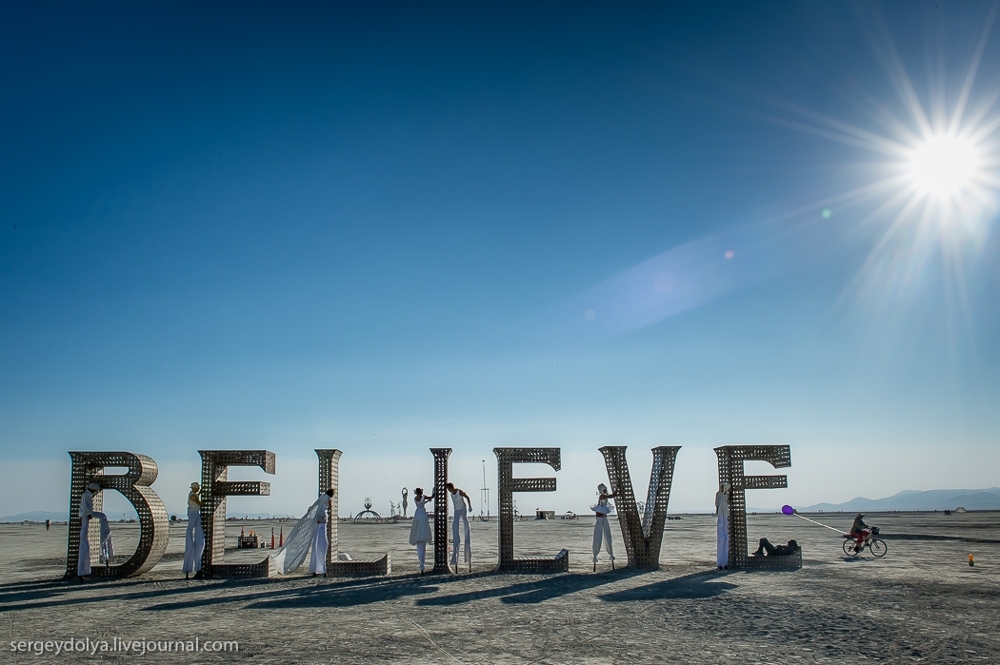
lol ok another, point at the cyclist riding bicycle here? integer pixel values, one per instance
(859, 531)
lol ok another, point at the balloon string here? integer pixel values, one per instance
(819, 523)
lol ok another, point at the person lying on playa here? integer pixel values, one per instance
(775, 550)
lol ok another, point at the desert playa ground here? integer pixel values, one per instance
(921, 603)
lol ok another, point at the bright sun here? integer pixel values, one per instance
(944, 166)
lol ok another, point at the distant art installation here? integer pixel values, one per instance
(134, 485)
(215, 487)
(644, 536)
(731, 460)
(506, 486)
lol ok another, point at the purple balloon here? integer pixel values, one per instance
(788, 510)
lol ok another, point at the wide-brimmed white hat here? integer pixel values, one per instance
(193, 485)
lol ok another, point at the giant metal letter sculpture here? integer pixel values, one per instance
(441, 499)
(731, 459)
(134, 485)
(642, 538)
(215, 487)
(329, 478)
(506, 486)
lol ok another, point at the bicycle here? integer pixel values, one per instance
(876, 546)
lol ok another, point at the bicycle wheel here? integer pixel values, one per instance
(849, 547)
(878, 547)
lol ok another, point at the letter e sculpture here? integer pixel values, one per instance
(506, 486)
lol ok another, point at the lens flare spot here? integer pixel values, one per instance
(826, 214)
(589, 314)
(730, 254)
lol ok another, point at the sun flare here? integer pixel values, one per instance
(944, 166)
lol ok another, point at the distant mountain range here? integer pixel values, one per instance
(36, 516)
(985, 499)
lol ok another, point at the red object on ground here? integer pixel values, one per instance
(272, 537)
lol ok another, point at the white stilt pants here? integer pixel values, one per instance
(83, 560)
(602, 532)
(320, 546)
(463, 516)
(722, 539)
(194, 542)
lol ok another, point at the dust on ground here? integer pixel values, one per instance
(921, 603)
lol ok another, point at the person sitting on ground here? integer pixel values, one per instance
(775, 550)
(859, 532)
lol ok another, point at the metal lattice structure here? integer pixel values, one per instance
(329, 478)
(731, 470)
(134, 485)
(507, 484)
(215, 487)
(441, 506)
(644, 537)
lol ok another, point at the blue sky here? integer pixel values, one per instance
(391, 227)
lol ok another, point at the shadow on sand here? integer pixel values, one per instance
(535, 591)
(59, 593)
(695, 585)
(305, 593)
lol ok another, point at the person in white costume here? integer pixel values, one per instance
(602, 529)
(86, 514)
(321, 542)
(722, 526)
(194, 536)
(420, 528)
(107, 547)
(460, 500)
(304, 536)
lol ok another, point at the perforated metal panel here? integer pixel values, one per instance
(643, 538)
(215, 487)
(441, 508)
(329, 478)
(507, 484)
(134, 485)
(731, 470)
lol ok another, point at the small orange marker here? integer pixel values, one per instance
(971, 561)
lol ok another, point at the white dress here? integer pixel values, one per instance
(420, 529)
(722, 529)
(86, 511)
(299, 541)
(320, 543)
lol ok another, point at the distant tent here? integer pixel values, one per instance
(960, 509)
